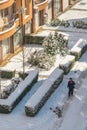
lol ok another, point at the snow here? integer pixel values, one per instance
(82, 5)
(44, 88)
(74, 109)
(67, 60)
(18, 120)
(77, 112)
(9, 103)
(81, 43)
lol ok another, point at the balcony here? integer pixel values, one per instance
(7, 28)
(8, 25)
(41, 4)
(5, 3)
(8, 32)
(5, 23)
(39, 1)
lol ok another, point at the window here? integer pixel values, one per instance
(6, 46)
(17, 38)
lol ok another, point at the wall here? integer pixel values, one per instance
(65, 4)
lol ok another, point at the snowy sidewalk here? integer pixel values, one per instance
(76, 115)
(17, 120)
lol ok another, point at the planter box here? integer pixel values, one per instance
(79, 48)
(6, 105)
(43, 93)
(67, 63)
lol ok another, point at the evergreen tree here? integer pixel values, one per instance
(55, 44)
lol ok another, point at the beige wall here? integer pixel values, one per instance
(65, 4)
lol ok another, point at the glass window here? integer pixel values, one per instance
(17, 38)
(6, 46)
(27, 28)
(57, 6)
(4, 12)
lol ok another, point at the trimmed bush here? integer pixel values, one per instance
(34, 39)
(7, 105)
(42, 60)
(7, 90)
(23, 76)
(43, 93)
(79, 48)
(7, 74)
(67, 63)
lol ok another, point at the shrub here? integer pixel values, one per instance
(7, 74)
(34, 39)
(58, 22)
(55, 44)
(10, 88)
(23, 76)
(55, 22)
(50, 47)
(78, 24)
(42, 60)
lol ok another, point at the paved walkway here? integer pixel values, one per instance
(76, 115)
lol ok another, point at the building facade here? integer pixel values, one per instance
(20, 17)
(14, 14)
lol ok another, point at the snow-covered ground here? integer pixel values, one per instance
(73, 109)
(46, 119)
(76, 115)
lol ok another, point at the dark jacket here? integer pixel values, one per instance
(71, 84)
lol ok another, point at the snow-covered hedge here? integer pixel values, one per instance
(43, 93)
(7, 73)
(67, 63)
(34, 39)
(79, 48)
(6, 105)
(8, 89)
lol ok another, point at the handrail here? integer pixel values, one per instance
(7, 25)
(39, 1)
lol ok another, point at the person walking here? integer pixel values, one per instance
(71, 86)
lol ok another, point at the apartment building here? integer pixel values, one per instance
(39, 10)
(14, 14)
(46, 10)
(20, 17)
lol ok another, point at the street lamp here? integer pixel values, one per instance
(23, 60)
(21, 11)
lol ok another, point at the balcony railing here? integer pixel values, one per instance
(38, 1)
(7, 25)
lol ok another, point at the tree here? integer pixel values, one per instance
(49, 45)
(55, 44)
